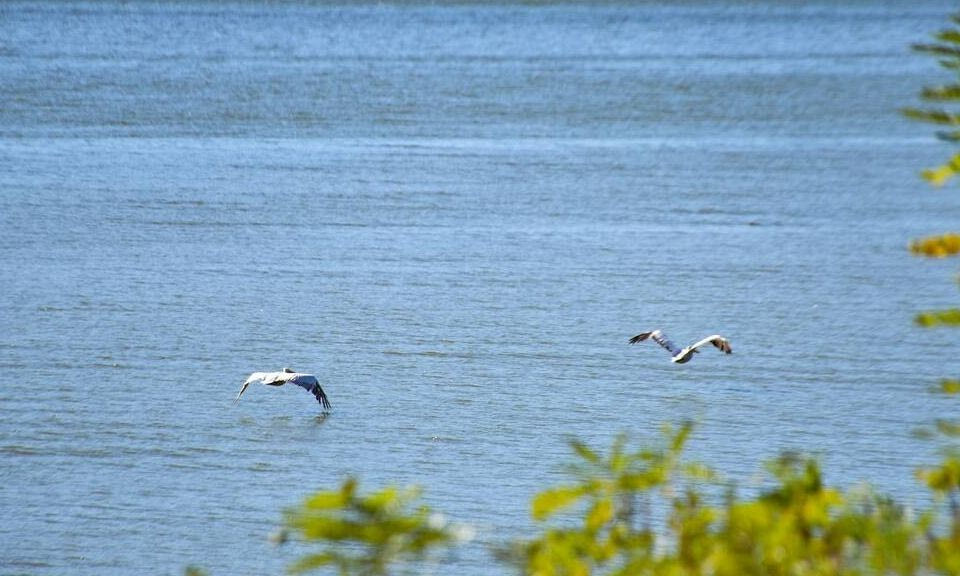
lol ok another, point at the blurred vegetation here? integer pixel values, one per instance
(798, 526)
(943, 99)
(371, 535)
(950, 317)
(943, 479)
(944, 111)
(937, 246)
(649, 512)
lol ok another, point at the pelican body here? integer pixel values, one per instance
(308, 382)
(683, 355)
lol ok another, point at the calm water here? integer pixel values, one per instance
(455, 215)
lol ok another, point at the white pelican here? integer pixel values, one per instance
(308, 382)
(683, 355)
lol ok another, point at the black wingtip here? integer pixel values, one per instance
(640, 337)
(723, 345)
(322, 398)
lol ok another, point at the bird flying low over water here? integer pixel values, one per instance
(679, 355)
(308, 382)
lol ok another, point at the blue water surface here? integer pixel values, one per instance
(455, 215)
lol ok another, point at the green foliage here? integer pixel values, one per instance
(937, 246)
(929, 319)
(366, 534)
(594, 524)
(797, 527)
(607, 489)
(944, 478)
(948, 386)
(946, 49)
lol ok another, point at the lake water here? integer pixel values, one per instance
(455, 215)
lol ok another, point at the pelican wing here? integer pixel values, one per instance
(640, 337)
(717, 340)
(251, 378)
(264, 378)
(658, 337)
(274, 377)
(310, 383)
(256, 376)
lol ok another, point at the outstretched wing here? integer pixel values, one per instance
(717, 340)
(640, 337)
(309, 383)
(269, 378)
(658, 337)
(251, 378)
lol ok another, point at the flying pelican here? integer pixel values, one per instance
(306, 381)
(680, 356)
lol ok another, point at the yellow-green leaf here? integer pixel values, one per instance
(933, 116)
(311, 562)
(940, 93)
(949, 386)
(943, 478)
(549, 501)
(948, 427)
(599, 514)
(584, 451)
(933, 318)
(937, 246)
(938, 176)
(952, 36)
(326, 500)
